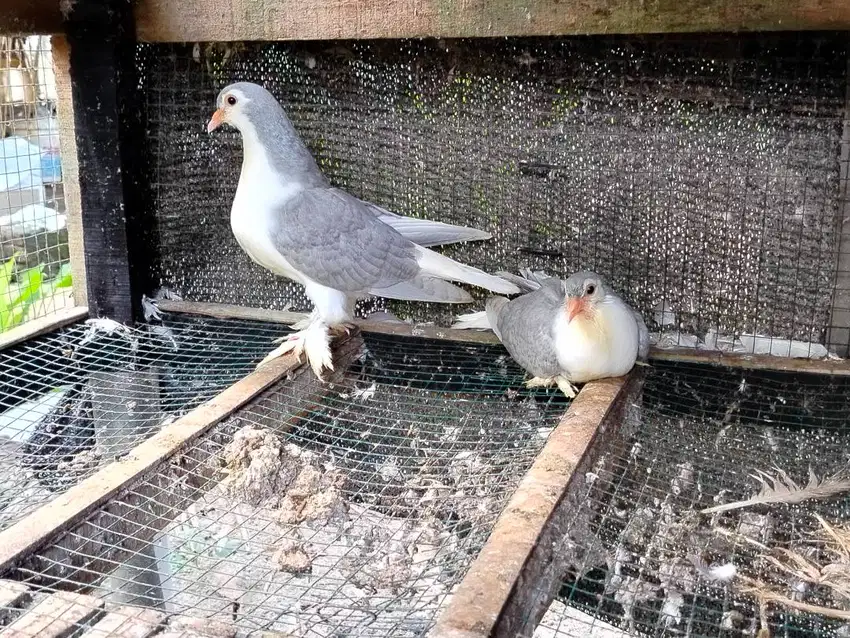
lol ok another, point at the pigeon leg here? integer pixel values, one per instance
(313, 341)
(540, 382)
(566, 387)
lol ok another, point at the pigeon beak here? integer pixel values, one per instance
(215, 121)
(575, 307)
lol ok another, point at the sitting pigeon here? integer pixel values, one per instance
(289, 220)
(565, 332)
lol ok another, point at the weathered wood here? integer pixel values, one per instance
(41, 526)
(715, 357)
(504, 590)
(183, 20)
(838, 337)
(57, 616)
(229, 20)
(102, 69)
(12, 596)
(127, 622)
(42, 325)
(134, 486)
(70, 166)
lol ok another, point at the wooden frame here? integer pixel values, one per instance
(187, 21)
(689, 355)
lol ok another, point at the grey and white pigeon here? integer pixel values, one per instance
(565, 332)
(289, 220)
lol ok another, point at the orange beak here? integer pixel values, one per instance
(215, 121)
(575, 307)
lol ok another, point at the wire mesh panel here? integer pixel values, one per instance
(35, 275)
(79, 398)
(643, 558)
(700, 175)
(352, 510)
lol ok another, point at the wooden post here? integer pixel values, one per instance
(838, 338)
(100, 37)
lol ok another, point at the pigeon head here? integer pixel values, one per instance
(584, 291)
(242, 105)
(266, 131)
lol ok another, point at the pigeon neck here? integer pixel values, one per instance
(277, 143)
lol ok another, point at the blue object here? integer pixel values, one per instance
(51, 167)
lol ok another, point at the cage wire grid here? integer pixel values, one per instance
(699, 175)
(348, 512)
(34, 269)
(642, 559)
(78, 398)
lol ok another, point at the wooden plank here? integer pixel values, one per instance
(838, 337)
(102, 67)
(127, 622)
(13, 595)
(42, 325)
(41, 526)
(70, 166)
(495, 597)
(232, 20)
(134, 486)
(57, 616)
(691, 355)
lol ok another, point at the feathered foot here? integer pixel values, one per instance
(547, 382)
(313, 341)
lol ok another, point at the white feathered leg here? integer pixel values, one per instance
(567, 387)
(313, 341)
(562, 382)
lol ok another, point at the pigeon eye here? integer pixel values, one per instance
(590, 289)
(231, 100)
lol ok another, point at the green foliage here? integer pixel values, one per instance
(16, 299)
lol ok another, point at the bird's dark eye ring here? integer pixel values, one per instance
(231, 100)
(590, 289)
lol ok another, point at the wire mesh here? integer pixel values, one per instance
(699, 175)
(34, 270)
(642, 559)
(76, 399)
(347, 510)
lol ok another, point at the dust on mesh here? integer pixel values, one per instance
(641, 558)
(351, 510)
(34, 254)
(700, 172)
(77, 399)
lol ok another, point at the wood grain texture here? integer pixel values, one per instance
(42, 325)
(228, 20)
(495, 597)
(70, 166)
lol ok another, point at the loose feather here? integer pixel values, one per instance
(781, 488)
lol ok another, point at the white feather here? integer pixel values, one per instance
(430, 233)
(472, 321)
(438, 265)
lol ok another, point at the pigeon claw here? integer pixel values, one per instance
(290, 343)
(569, 390)
(547, 382)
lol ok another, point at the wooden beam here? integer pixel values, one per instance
(42, 325)
(37, 546)
(70, 166)
(496, 598)
(232, 20)
(689, 355)
(41, 526)
(838, 337)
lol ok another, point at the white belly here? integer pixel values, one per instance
(255, 204)
(588, 351)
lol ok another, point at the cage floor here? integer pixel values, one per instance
(349, 510)
(75, 399)
(644, 560)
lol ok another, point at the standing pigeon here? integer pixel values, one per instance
(289, 220)
(565, 332)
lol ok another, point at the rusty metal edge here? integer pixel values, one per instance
(495, 596)
(685, 355)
